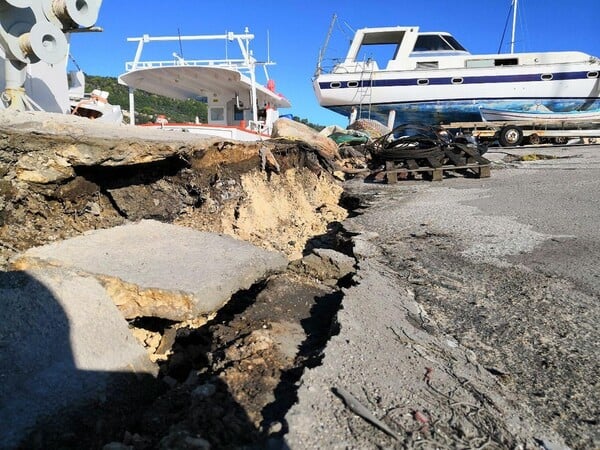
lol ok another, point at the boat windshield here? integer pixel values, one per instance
(437, 42)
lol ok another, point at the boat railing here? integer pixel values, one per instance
(238, 64)
(339, 65)
(258, 126)
(329, 65)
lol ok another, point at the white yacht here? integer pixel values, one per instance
(401, 75)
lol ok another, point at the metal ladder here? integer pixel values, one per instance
(365, 93)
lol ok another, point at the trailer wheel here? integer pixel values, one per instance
(510, 136)
(534, 139)
(560, 140)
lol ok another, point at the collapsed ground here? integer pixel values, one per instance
(230, 382)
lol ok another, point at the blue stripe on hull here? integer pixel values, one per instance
(440, 81)
(434, 113)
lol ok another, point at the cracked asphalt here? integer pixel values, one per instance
(486, 287)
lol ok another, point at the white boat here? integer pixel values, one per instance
(93, 105)
(401, 75)
(537, 113)
(238, 106)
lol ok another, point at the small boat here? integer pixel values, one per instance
(238, 106)
(537, 113)
(402, 75)
(93, 105)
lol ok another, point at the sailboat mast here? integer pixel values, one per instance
(514, 26)
(324, 48)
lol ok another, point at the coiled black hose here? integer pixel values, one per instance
(424, 142)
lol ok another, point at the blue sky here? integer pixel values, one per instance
(297, 31)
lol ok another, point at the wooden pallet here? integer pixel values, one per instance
(462, 159)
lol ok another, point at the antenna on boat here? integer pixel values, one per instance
(324, 48)
(74, 62)
(180, 45)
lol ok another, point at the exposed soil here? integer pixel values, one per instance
(274, 211)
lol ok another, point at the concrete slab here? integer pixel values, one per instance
(62, 343)
(154, 269)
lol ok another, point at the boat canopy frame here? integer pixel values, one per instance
(245, 65)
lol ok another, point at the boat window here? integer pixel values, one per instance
(506, 62)
(592, 74)
(457, 80)
(453, 42)
(217, 114)
(335, 84)
(479, 63)
(238, 114)
(353, 84)
(423, 82)
(427, 64)
(378, 53)
(431, 42)
(546, 76)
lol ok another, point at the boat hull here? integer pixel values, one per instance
(223, 132)
(490, 115)
(193, 82)
(455, 95)
(444, 112)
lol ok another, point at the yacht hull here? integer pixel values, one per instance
(434, 97)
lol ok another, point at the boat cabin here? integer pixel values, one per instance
(405, 48)
(387, 47)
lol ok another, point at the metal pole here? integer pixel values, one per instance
(514, 26)
(391, 119)
(324, 48)
(251, 64)
(131, 107)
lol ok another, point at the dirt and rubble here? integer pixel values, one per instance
(198, 182)
(61, 178)
(376, 304)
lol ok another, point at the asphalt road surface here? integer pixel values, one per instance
(505, 271)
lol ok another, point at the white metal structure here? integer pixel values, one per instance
(238, 106)
(34, 48)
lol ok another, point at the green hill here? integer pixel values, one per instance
(149, 105)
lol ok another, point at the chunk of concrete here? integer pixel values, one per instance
(290, 129)
(63, 343)
(325, 265)
(153, 269)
